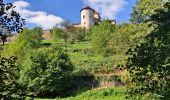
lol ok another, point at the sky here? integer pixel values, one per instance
(48, 13)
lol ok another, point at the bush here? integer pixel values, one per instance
(74, 34)
(25, 41)
(46, 72)
(8, 79)
(100, 37)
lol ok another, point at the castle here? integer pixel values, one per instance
(89, 18)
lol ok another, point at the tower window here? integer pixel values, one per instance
(83, 16)
(84, 23)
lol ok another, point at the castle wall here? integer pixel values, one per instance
(77, 25)
(96, 15)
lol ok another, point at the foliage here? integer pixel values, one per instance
(100, 37)
(148, 63)
(57, 33)
(103, 66)
(125, 77)
(9, 88)
(74, 34)
(126, 36)
(46, 72)
(25, 41)
(98, 94)
(10, 20)
(66, 24)
(144, 9)
(30, 37)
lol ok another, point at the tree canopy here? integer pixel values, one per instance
(100, 37)
(46, 72)
(9, 73)
(10, 20)
(25, 41)
(148, 63)
(144, 9)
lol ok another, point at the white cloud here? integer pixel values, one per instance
(40, 18)
(107, 8)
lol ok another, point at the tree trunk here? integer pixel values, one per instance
(3, 42)
(4, 38)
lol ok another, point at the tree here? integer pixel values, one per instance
(125, 36)
(69, 32)
(30, 37)
(75, 33)
(100, 37)
(46, 72)
(65, 25)
(57, 33)
(144, 9)
(10, 20)
(149, 63)
(25, 41)
(8, 79)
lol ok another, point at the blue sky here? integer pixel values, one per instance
(45, 13)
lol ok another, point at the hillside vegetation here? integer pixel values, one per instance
(98, 94)
(125, 61)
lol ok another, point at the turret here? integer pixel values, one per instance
(87, 17)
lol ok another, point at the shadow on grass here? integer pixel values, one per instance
(81, 82)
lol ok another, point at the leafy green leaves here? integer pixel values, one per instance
(144, 9)
(8, 78)
(100, 37)
(148, 63)
(10, 20)
(46, 70)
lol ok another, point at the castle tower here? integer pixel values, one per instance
(87, 17)
(97, 18)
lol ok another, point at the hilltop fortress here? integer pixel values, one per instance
(89, 18)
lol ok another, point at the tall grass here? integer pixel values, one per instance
(98, 94)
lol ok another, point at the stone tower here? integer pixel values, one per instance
(90, 18)
(87, 17)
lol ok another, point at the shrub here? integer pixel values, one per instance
(100, 37)
(8, 79)
(46, 72)
(25, 41)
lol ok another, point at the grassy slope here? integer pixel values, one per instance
(87, 61)
(98, 94)
(90, 63)
(78, 57)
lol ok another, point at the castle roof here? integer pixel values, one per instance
(87, 7)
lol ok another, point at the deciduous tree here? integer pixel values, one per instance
(9, 73)
(10, 20)
(149, 62)
(46, 72)
(100, 37)
(144, 9)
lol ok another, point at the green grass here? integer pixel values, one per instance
(52, 41)
(80, 45)
(98, 94)
(49, 41)
(118, 93)
(83, 57)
